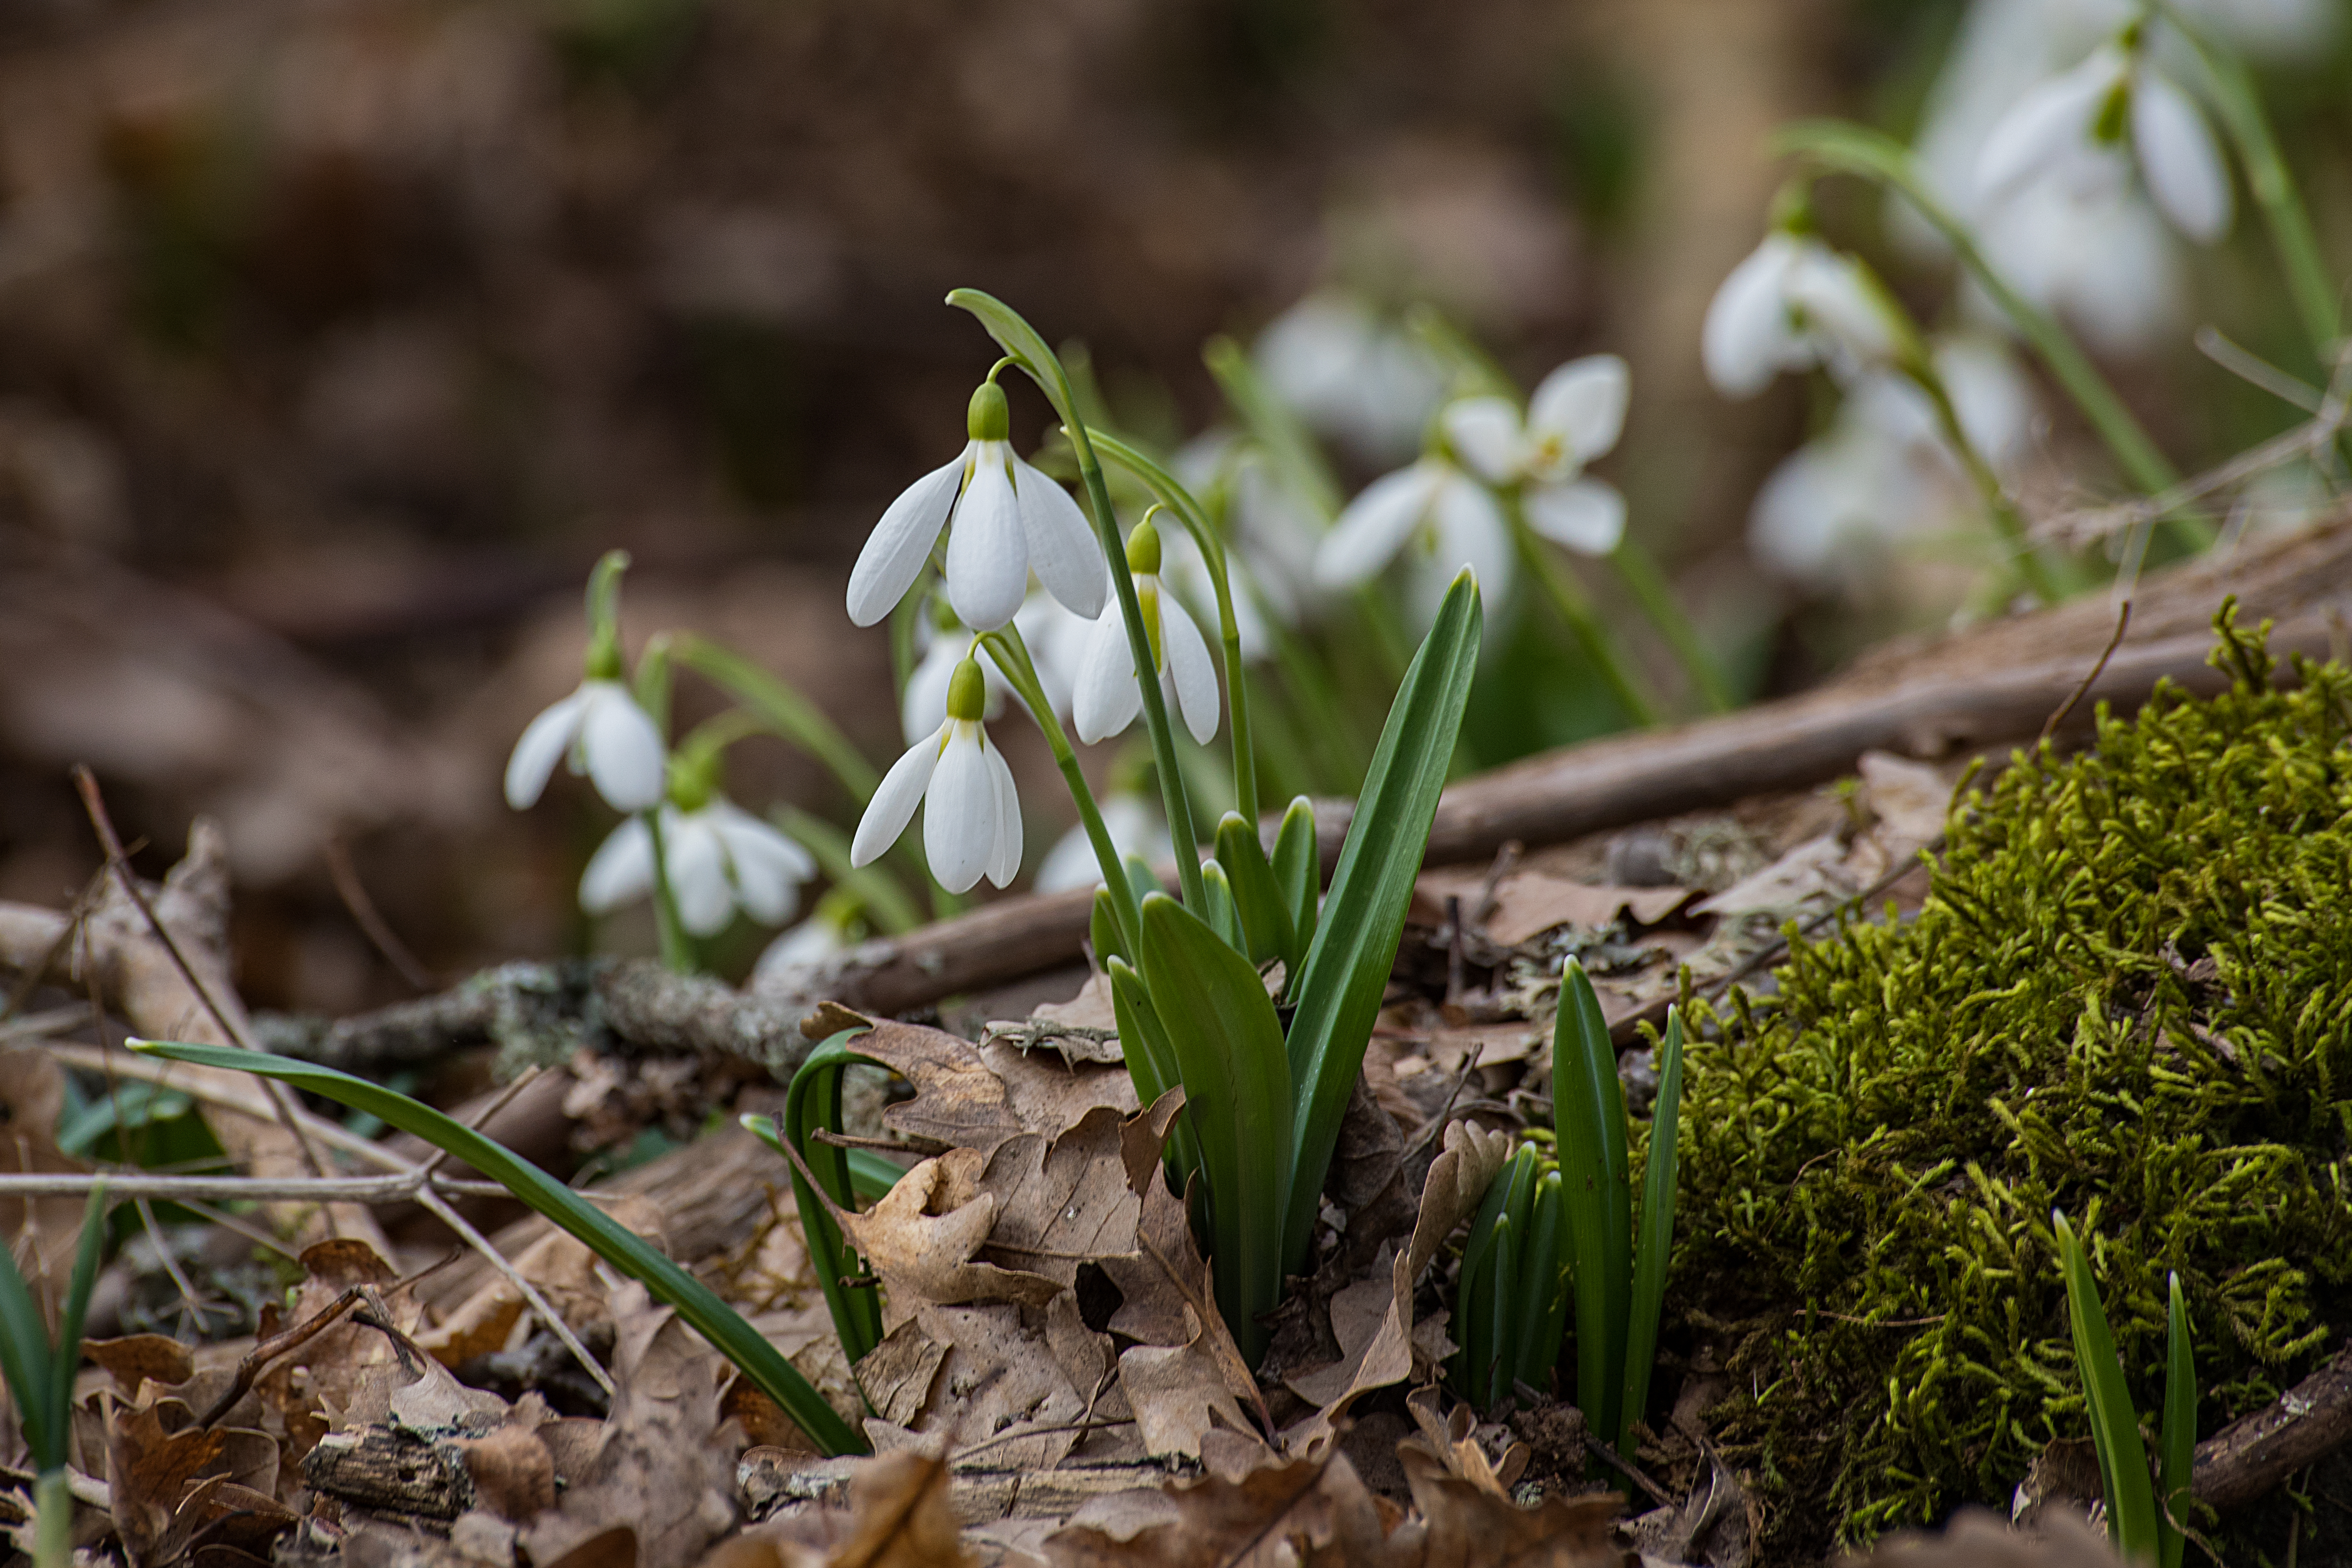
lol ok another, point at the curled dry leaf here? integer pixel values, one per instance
(922, 1236)
(166, 1484)
(1463, 1524)
(899, 1517)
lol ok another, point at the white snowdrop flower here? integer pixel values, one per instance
(602, 732)
(719, 859)
(1271, 538)
(1110, 695)
(1576, 414)
(791, 965)
(972, 815)
(1438, 518)
(2076, 129)
(1004, 519)
(1136, 829)
(1349, 374)
(2104, 261)
(1057, 639)
(1792, 304)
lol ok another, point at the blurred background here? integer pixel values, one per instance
(338, 338)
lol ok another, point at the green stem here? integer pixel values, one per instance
(1649, 585)
(2046, 581)
(2273, 187)
(781, 709)
(1568, 600)
(1012, 655)
(1870, 156)
(52, 1521)
(676, 952)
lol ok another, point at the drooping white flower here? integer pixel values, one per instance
(2086, 127)
(1136, 829)
(971, 814)
(1438, 518)
(602, 732)
(1577, 414)
(1349, 374)
(1004, 519)
(719, 859)
(1109, 695)
(791, 965)
(1792, 304)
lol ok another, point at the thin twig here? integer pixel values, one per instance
(395, 1188)
(430, 1200)
(179, 1276)
(482, 1119)
(355, 894)
(30, 979)
(269, 1349)
(119, 864)
(2123, 619)
(1610, 1456)
(40, 1026)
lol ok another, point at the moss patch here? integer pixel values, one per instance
(2129, 996)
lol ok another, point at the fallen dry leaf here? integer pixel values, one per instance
(1978, 1538)
(168, 1484)
(899, 1517)
(1273, 1516)
(1464, 1524)
(922, 1236)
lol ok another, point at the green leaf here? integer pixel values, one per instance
(1298, 872)
(1102, 929)
(1347, 968)
(2177, 1441)
(1267, 926)
(67, 1358)
(713, 1319)
(1020, 339)
(1492, 1376)
(1648, 1295)
(1541, 1282)
(1150, 1059)
(1218, 910)
(1589, 1119)
(26, 1362)
(2115, 1425)
(1227, 1042)
(872, 1174)
(1478, 1311)
(781, 709)
(812, 1102)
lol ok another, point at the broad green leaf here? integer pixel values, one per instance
(1650, 1258)
(1539, 1281)
(1298, 872)
(1347, 969)
(1143, 878)
(1151, 1060)
(2177, 1441)
(25, 1361)
(1589, 1119)
(713, 1319)
(1267, 926)
(781, 709)
(1227, 1042)
(1219, 911)
(1102, 929)
(2115, 1425)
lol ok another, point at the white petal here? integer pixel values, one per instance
(1470, 532)
(1106, 698)
(803, 948)
(1376, 525)
(1007, 863)
(988, 557)
(961, 812)
(1841, 308)
(923, 706)
(2177, 159)
(2049, 126)
(697, 873)
(1487, 435)
(544, 739)
(621, 871)
(895, 551)
(895, 799)
(1586, 515)
(623, 750)
(769, 868)
(1583, 403)
(1746, 335)
(1189, 669)
(1070, 863)
(1062, 548)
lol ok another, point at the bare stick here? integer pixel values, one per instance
(396, 1188)
(431, 1201)
(482, 1119)
(355, 894)
(100, 1058)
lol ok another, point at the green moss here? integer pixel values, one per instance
(2130, 996)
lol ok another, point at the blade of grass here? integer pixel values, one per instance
(2178, 1442)
(1648, 1293)
(1589, 1119)
(713, 1319)
(2115, 1425)
(66, 1359)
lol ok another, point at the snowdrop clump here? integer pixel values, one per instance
(719, 859)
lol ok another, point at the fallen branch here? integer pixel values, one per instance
(2251, 1455)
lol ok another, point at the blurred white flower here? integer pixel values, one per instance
(601, 731)
(1136, 829)
(790, 964)
(2087, 127)
(1004, 518)
(1576, 414)
(1439, 518)
(1792, 304)
(1271, 536)
(971, 813)
(1350, 375)
(719, 859)
(1109, 695)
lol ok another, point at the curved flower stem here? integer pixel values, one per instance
(2241, 106)
(1012, 655)
(1165, 488)
(1040, 364)
(1657, 600)
(676, 952)
(1870, 156)
(1568, 600)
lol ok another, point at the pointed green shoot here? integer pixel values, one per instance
(1218, 910)
(1298, 872)
(1588, 1119)
(1492, 1376)
(1650, 1257)
(1346, 970)
(709, 1316)
(1541, 1282)
(1227, 1042)
(2115, 1425)
(1266, 925)
(2178, 1442)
